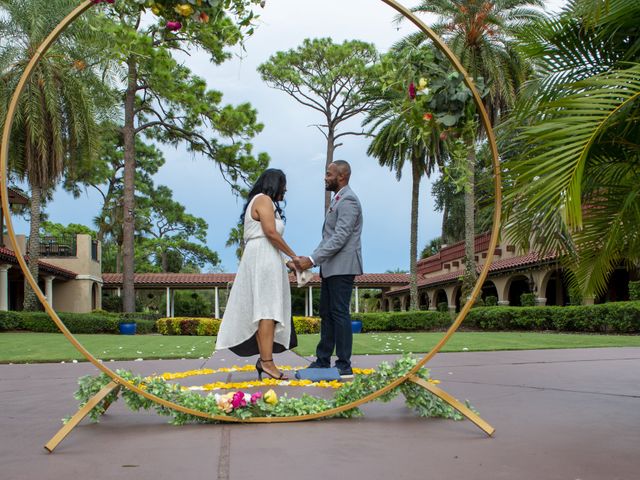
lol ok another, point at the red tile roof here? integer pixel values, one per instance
(203, 280)
(503, 264)
(171, 279)
(7, 255)
(452, 252)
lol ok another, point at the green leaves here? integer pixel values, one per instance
(573, 167)
(322, 75)
(422, 401)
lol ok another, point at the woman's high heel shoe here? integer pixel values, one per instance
(261, 370)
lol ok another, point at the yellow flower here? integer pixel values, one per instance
(185, 10)
(156, 10)
(270, 397)
(422, 84)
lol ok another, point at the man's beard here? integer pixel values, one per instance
(331, 187)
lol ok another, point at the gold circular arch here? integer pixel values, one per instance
(4, 155)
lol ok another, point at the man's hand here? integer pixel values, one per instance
(302, 263)
(291, 266)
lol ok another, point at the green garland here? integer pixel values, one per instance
(417, 398)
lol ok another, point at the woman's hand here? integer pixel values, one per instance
(291, 266)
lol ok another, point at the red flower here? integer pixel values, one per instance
(428, 116)
(443, 136)
(412, 91)
(238, 400)
(173, 26)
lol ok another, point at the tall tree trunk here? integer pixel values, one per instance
(330, 149)
(128, 227)
(444, 229)
(164, 261)
(31, 302)
(118, 258)
(470, 275)
(416, 171)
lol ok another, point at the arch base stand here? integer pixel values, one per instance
(113, 386)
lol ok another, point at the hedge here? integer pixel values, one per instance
(209, 326)
(634, 290)
(614, 317)
(402, 321)
(188, 326)
(95, 322)
(75, 322)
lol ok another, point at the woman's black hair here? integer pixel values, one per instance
(272, 183)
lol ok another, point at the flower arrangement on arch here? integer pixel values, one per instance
(177, 13)
(240, 404)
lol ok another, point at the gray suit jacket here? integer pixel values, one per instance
(339, 252)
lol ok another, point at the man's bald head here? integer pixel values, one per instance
(343, 168)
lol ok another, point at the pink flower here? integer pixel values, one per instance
(173, 26)
(412, 91)
(256, 396)
(443, 136)
(238, 400)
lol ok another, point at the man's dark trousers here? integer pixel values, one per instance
(335, 327)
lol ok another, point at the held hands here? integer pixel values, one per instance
(302, 263)
(291, 266)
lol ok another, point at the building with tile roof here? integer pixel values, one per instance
(512, 273)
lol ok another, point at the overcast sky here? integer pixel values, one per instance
(293, 145)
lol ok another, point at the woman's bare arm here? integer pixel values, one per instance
(262, 211)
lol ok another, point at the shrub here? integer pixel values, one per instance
(442, 307)
(615, 317)
(144, 327)
(528, 300)
(75, 322)
(634, 291)
(306, 324)
(188, 326)
(491, 301)
(9, 321)
(208, 327)
(135, 316)
(402, 321)
(112, 303)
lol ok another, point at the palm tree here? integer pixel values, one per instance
(54, 125)
(481, 33)
(576, 190)
(402, 135)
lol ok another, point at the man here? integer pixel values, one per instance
(340, 259)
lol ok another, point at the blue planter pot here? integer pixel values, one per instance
(356, 326)
(127, 328)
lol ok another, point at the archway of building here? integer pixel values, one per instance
(518, 285)
(441, 297)
(489, 290)
(423, 300)
(556, 290)
(396, 304)
(95, 292)
(457, 295)
(617, 286)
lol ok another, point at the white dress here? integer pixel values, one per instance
(261, 290)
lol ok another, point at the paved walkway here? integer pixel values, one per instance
(558, 414)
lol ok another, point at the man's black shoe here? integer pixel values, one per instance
(346, 373)
(315, 364)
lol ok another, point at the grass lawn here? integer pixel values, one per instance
(19, 347)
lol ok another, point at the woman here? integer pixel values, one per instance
(258, 314)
